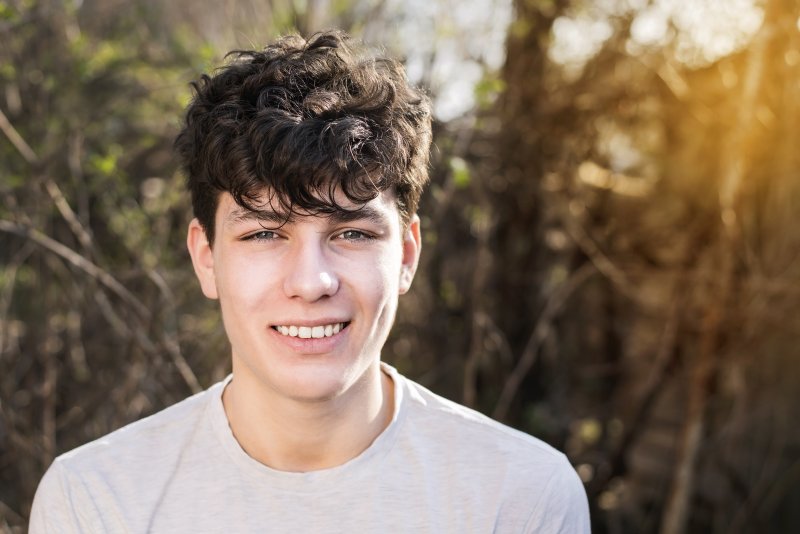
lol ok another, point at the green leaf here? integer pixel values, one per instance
(461, 173)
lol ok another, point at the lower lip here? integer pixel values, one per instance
(313, 345)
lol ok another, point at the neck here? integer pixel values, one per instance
(299, 435)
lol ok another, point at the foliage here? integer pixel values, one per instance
(97, 310)
(627, 288)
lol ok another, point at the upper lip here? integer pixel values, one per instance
(310, 322)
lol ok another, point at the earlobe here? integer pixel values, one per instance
(412, 244)
(202, 258)
(406, 277)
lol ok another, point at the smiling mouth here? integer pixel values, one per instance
(309, 332)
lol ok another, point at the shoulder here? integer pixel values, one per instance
(144, 439)
(432, 413)
(563, 507)
(533, 486)
(61, 505)
(80, 487)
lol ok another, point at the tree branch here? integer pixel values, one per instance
(78, 261)
(16, 139)
(540, 331)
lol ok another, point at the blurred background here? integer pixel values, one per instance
(611, 236)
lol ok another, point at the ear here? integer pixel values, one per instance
(412, 244)
(202, 258)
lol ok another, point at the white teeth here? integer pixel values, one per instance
(308, 332)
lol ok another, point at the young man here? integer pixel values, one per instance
(305, 164)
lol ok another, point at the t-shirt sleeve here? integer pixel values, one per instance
(564, 508)
(61, 505)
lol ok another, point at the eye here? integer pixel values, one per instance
(262, 235)
(355, 235)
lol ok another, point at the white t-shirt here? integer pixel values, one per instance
(438, 467)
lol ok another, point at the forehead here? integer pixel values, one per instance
(266, 207)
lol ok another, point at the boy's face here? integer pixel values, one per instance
(308, 305)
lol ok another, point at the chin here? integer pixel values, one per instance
(315, 385)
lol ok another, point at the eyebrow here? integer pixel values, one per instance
(364, 213)
(241, 215)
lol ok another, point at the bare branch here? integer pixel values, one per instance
(540, 331)
(170, 334)
(52, 188)
(7, 511)
(8, 290)
(602, 262)
(78, 261)
(705, 366)
(68, 213)
(656, 379)
(16, 139)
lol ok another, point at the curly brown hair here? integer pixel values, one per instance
(303, 119)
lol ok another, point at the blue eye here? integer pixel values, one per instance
(263, 235)
(355, 235)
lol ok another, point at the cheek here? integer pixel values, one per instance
(242, 285)
(384, 275)
(384, 285)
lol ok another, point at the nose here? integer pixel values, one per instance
(310, 275)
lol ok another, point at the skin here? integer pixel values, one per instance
(306, 404)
